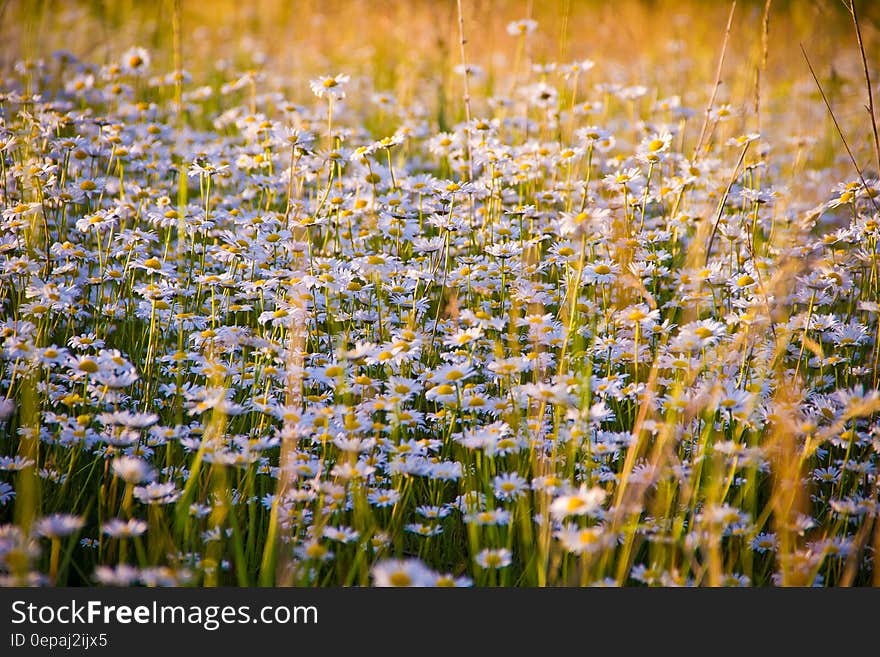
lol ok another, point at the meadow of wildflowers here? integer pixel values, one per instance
(543, 322)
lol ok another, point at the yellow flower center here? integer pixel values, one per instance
(400, 579)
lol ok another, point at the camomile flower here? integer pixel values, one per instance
(451, 374)
(136, 61)
(132, 470)
(428, 245)
(51, 356)
(449, 580)
(586, 223)
(314, 549)
(654, 147)
(601, 272)
(549, 393)
(581, 540)
(383, 497)
(735, 401)
(509, 485)
(698, 335)
(521, 27)
(401, 387)
(129, 419)
(744, 280)
(118, 528)
(590, 135)
(830, 475)
(203, 168)
(155, 493)
(741, 141)
(623, 177)
(332, 87)
(402, 573)
(723, 112)
(461, 338)
(361, 153)
(541, 95)
(498, 517)
(433, 512)
(341, 534)
(495, 559)
(505, 367)
(119, 575)
(423, 529)
(7, 493)
(583, 501)
(58, 525)
(765, 543)
(640, 314)
(445, 471)
(504, 250)
(576, 67)
(15, 463)
(7, 408)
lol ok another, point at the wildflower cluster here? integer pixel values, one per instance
(245, 340)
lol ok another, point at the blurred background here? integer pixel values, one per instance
(410, 49)
(394, 41)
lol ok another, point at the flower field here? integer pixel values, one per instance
(439, 294)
